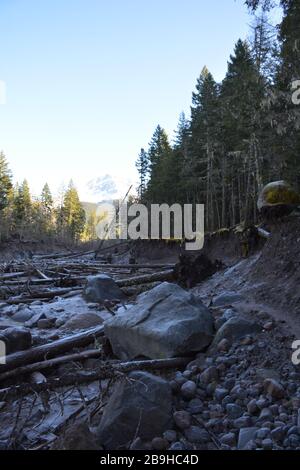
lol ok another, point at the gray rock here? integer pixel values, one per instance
(242, 422)
(32, 323)
(245, 436)
(274, 388)
(226, 299)
(195, 434)
(100, 288)
(267, 444)
(77, 437)
(16, 339)
(229, 313)
(177, 446)
(229, 439)
(45, 323)
(236, 328)
(195, 406)
(182, 419)
(158, 443)
(278, 434)
(210, 374)
(170, 435)
(143, 402)
(188, 390)
(233, 411)
(262, 433)
(23, 315)
(220, 393)
(82, 321)
(166, 321)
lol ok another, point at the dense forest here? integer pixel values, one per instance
(24, 217)
(241, 134)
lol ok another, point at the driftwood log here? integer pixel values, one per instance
(42, 365)
(53, 349)
(107, 370)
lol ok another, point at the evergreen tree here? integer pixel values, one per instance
(22, 203)
(142, 165)
(73, 213)
(158, 153)
(5, 182)
(47, 199)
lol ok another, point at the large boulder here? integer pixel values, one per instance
(140, 405)
(100, 288)
(16, 339)
(165, 322)
(236, 328)
(277, 198)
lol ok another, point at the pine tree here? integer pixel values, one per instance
(142, 165)
(241, 97)
(73, 213)
(204, 144)
(5, 182)
(158, 153)
(22, 203)
(47, 199)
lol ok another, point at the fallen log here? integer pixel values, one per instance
(136, 266)
(43, 296)
(7, 276)
(53, 349)
(107, 370)
(37, 366)
(146, 278)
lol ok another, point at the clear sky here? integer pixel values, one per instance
(87, 81)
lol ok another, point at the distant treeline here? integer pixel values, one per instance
(38, 218)
(242, 133)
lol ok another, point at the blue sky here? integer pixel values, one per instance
(87, 81)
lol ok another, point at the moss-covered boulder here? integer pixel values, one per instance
(278, 198)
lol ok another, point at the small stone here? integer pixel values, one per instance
(2, 405)
(246, 435)
(274, 388)
(267, 444)
(252, 407)
(209, 375)
(242, 422)
(294, 430)
(266, 414)
(188, 389)
(278, 433)
(170, 435)
(45, 324)
(220, 393)
(177, 446)
(262, 433)
(187, 374)
(182, 419)
(196, 434)
(229, 439)
(233, 410)
(223, 345)
(195, 406)
(158, 443)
